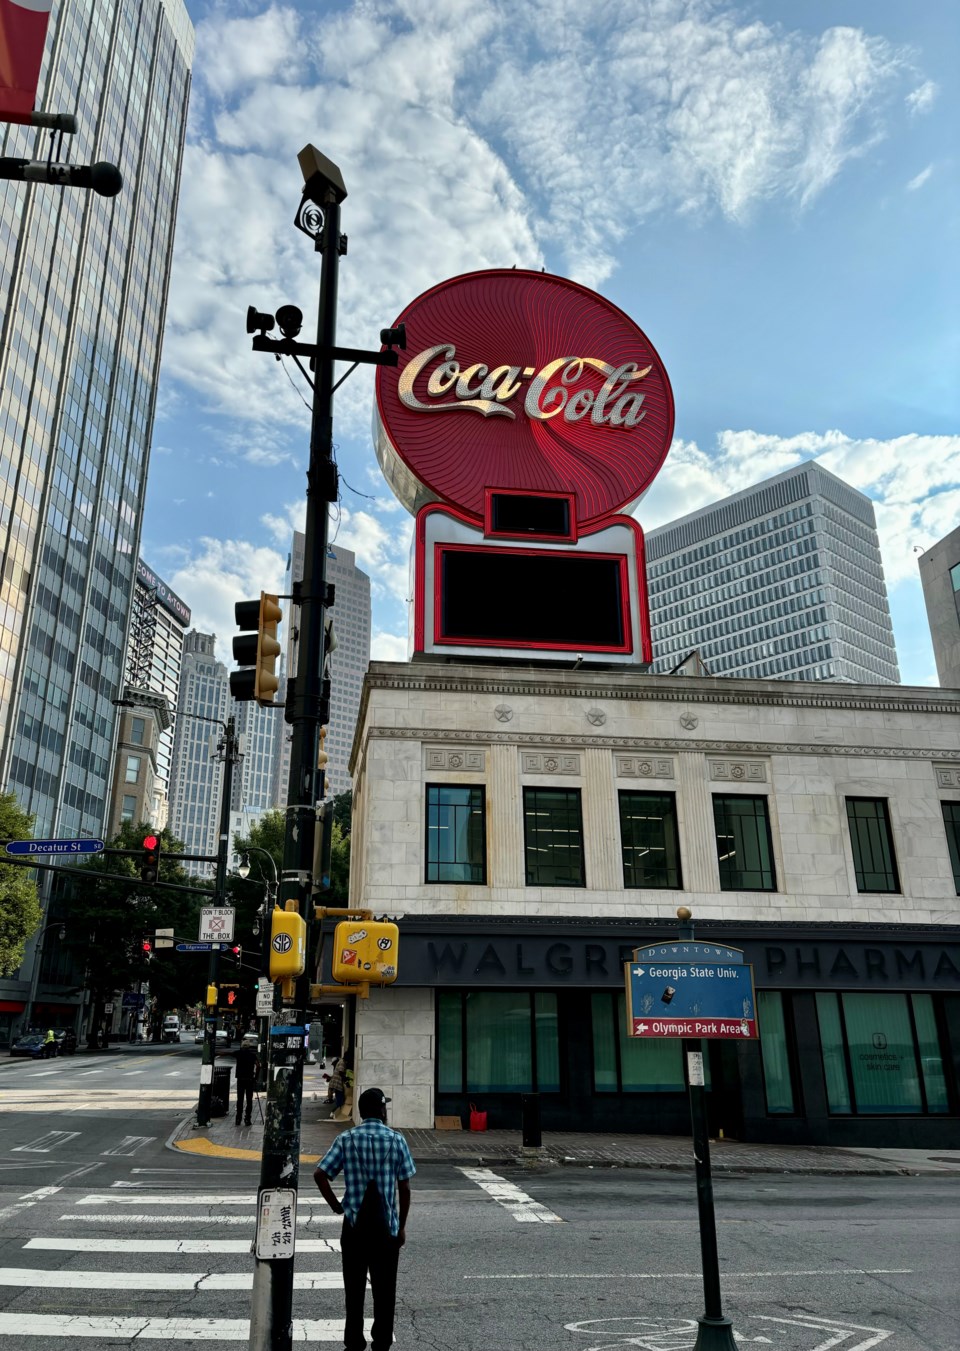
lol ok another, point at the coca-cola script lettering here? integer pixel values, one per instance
(558, 389)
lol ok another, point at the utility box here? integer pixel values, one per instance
(365, 951)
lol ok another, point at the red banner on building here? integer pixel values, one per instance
(23, 32)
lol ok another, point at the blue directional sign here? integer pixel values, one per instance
(54, 846)
(690, 990)
(196, 947)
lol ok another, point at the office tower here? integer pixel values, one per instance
(158, 621)
(288, 666)
(783, 580)
(348, 663)
(196, 780)
(83, 287)
(940, 578)
(254, 778)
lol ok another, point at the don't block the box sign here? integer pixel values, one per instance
(525, 417)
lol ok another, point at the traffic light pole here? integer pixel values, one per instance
(271, 1321)
(229, 747)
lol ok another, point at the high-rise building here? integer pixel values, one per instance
(83, 287)
(196, 781)
(940, 578)
(783, 580)
(254, 777)
(83, 290)
(348, 663)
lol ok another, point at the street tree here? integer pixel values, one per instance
(19, 907)
(343, 810)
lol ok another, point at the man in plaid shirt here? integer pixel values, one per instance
(377, 1168)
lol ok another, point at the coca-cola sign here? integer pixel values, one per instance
(543, 385)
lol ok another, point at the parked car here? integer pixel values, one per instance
(30, 1044)
(171, 1028)
(250, 1039)
(66, 1040)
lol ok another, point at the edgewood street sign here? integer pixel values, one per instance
(705, 992)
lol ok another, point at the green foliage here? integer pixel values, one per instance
(19, 907)
(339, 893)
(343, 810)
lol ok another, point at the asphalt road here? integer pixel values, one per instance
(109, 1238)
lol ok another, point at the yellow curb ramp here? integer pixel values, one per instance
(202, 1145)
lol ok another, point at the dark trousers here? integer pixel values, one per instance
(244, 1093)
(378, 1256)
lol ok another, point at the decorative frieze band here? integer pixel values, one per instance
(738, 771)
(642, 767)
(460, 760)
(532, 762)
(948, 776)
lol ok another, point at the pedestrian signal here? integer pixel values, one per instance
(288, 945)
(228, 996)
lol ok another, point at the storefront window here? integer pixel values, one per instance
(648, 839)
(512, 1042)
(625, 1064)
(831, 1048)
(951, 821)
(881, 1054)
(872, 844)
(456, 846)
(553, 837)
(777, 1079)
(744, 851)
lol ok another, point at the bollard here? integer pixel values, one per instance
(530, 1108)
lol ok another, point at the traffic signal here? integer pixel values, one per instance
(150, 859)
(288, 945)
(237, 952)
(146, 947)
(258, 650)
(228, 996)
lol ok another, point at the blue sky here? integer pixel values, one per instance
(768, 189)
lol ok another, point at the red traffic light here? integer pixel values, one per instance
(150, 859)
(146, 945)
(150, 842)
(232, 997)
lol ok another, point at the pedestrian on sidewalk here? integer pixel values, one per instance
(338, 1084)
(247, 1063)
(49, 1044)
(377, 1168)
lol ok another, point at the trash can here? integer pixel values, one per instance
(220, 1093)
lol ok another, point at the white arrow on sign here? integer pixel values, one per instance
(639, 971)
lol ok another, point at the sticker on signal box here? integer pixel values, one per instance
(348, 957)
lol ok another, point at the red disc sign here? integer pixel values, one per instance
(524, 381)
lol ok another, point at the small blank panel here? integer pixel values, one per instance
(519, 514)
(508, 598)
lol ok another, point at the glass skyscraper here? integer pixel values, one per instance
(781, 581)
(83, 286)
(196, 780)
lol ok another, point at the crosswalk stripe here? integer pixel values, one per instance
(41, 1074)
(29, 1277)
(113, 1218)
(157, 1329)
(521, 1206)
(194, 1247)
(44, 1143)
(182, 1199)
(128, 1146)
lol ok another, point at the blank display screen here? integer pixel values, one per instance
(541, 600)
(514, 514)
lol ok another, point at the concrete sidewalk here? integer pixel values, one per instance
(502, 1148)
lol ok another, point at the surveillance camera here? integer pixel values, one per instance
(258, 322)
(395, 337)
(289, 320)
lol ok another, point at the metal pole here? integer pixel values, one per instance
(271, 1322)
(229, 744)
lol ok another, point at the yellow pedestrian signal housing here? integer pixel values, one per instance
(365, 951)
(288, 945)
(257, 649)
(211, 996)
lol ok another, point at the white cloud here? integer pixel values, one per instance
(217, 574)
(388, 647)
(473, 135)
(920, 179)
(921, 99)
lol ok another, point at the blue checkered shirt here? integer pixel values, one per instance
(371, 1152)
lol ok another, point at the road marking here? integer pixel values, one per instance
(40, 1074)
(841, 1328)
(127, 1146)
(128, 1074)
(158, 1329)
(44, 1143)
(26, 1201)
(173, 1074)
(28, 1277)
(196, 1199)
(683, 1275)
(80, 1172)
(193, 1246)
(83, 1073)
(114, 1218)
(521, 1206)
